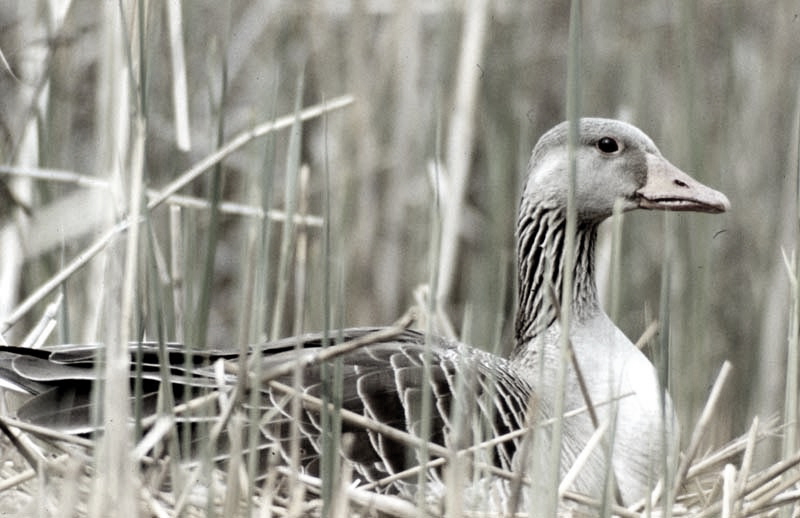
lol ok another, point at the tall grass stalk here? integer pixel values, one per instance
(257, 307)
(126, 131)
(611, 489)
(283, 279)
(426, 403)
(662, 355)
(790, 406)
(290, 202)
(206, 282)
(176, 271)
(459, 140)
(180, 94)
(573, 95)
(331, 375)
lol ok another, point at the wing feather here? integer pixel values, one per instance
(473, 392)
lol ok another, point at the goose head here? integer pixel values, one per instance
(615, 161)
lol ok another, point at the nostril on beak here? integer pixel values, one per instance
(680, 183)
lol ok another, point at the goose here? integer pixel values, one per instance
(475, 394)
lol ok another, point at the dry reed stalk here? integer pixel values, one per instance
(763, 493)
(173, 187)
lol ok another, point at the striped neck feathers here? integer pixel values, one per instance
(540, 259)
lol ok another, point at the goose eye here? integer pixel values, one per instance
(607, 145)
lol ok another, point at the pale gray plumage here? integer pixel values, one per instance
(616, 163)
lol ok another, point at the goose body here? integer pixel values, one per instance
(475, 394)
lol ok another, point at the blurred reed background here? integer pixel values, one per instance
(714, 83)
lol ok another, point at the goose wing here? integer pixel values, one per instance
(474, 395)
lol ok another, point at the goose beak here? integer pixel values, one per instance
(669, 188)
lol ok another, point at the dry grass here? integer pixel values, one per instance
(722, 482)
(101, 115)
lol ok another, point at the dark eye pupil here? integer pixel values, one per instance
(607, 145)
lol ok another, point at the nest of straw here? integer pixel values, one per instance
(48, 473)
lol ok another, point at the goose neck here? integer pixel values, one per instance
(541, 263)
